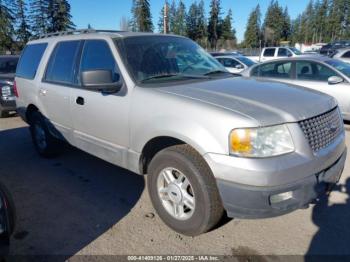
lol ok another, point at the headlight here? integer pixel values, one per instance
(261, 142)
(5, 91)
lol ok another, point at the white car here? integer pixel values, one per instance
(342, 54)
(235, 64)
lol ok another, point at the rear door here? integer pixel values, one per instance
(54, 90)
(101, 125)
(315, 75)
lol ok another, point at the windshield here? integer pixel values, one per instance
(246, 61)
(167, 58)
(340, 66)
(295, 51)
(8, 65)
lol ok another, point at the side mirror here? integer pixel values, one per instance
(239, 66)
(333, 80)
(101, 80)
(290, 55)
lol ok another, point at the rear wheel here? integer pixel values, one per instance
(183, 191)
(45, 143)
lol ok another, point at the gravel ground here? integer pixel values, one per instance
(78, 204)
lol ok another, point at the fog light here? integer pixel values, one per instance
(281, 197)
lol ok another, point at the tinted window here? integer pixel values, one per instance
(283, 52)
(30, 59)
(98, 56)
(313, 71)
(62, 62)
(269, 52)
(8, 65)
(274, 70)
(347, 54)
(246, 61)
(228, 62)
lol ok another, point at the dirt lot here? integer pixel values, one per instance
(78, 204)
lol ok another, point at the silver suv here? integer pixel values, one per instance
(160, 106)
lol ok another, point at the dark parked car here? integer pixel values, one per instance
(8, 66)
(330, 48)
(7, 220)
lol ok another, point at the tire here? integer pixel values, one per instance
(11, 208)
(199, 206)
(3, 114)
(44, 142)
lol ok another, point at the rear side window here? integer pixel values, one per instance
(274, 70)
(60, 68)
(283, 52)
(30, 60)
(269, 52)
(8, 65)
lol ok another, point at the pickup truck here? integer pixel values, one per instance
(208, 143)
(272, 53)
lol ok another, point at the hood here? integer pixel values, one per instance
(269, 103)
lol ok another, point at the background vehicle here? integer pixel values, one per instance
(316, 72)
(159, 105)
(342, 54)
(330, 48)
(235, 64)
(7, 220)
(227, 53)
(8, 66)
(272, 53)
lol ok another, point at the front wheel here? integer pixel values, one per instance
(183, 191)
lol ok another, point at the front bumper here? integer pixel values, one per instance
(256, 202)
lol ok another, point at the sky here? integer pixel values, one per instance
(106, 14)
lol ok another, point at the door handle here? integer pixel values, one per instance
(80, 100)
(42, 92)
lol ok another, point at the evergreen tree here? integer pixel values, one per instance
(179, 26)
(39, 16)
(22, 29)
(141, 16)
(6, 26)
(228, 33)
(286, 28)
(196, 22)
(273, 24)
(215, 23)
(252, 33)
(59, 16)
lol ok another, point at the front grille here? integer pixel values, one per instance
(322, 130)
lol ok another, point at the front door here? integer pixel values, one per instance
(100, 121)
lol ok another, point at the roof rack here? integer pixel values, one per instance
(77, 32)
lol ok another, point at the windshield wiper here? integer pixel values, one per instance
(172, 75)
(214, 72)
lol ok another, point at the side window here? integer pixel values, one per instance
(98, 56)
(30, 60)
(60, 68)
(276, 70)
(282, 52)
(346, 55)
(255, 71)
(313, 71)
(269, 52)
(228, 62)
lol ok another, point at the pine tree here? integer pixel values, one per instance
(141, 16)
(196, 22)
(22, 29)
(215, 23)
(38, 16)
(59, 16)
(179, 26)
(252, 33)
(273, 24)
(6, 26)
(228, 32)
(286, 28)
